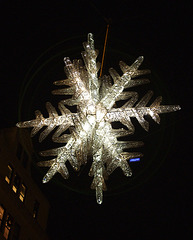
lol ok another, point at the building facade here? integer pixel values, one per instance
(23, 208)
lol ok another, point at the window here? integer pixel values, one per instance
(8, 177)
(36, 209)
(2, 210)
(16, 183)
(22, 192)
(8, 226)
(16, 232)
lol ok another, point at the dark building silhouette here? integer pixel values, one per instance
(23, 208)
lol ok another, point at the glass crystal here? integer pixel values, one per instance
(91, 132)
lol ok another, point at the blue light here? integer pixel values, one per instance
(134, 160)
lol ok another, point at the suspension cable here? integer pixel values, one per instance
(107, 31)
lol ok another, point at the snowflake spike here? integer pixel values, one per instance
(67, 82)
(132, 101)
(38, 114)
(94, 183)
(61, 139)
(126, 95)
(168, 108)
(156, 102)
(91, 41)
(61, 129)
(52, 152)
(137, 62)
(145, 99)
(91, 132)
(119, 162)
(141, 73)
(125, 68)
(126, 168)
(46, 163)
(106, 84)
(35, 130)
(133, 69)
(89, 57)
(64, 171)
(63, 91)
(142, 122)
(70, 102)
(32, 123)
(137, 82)
(129, 144)
(69, 69)
(155, 117)
(51, 172)
(28, 124)
(99, 194)
(114, 74)
(63, 109)
(121, 132)
(129, 155)
(45, 133)
(74, 163)
(51, 110)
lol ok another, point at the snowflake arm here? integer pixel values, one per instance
(124, 113)
(54, 120)
(120, 82)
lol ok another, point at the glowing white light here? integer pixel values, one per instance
(91, 132)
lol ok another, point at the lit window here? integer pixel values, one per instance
(22, 192)
(16, 232)
(8, 226)
(2, 210)
(9, 174)
(16, 183)
(36, 209)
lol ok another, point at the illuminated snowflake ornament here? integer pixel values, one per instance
(91, 132)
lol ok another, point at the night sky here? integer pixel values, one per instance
(156, 203)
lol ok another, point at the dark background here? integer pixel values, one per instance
(156, 203)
